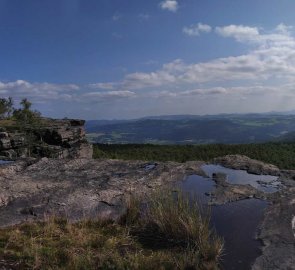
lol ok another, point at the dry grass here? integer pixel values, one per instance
(180, 233)
(170, 219)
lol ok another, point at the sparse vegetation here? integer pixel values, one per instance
(167, 232)
(6, 107)
(25, 116)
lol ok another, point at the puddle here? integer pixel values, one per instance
(198, 186)
(265, 183)
(5, 162)
(236, 222)
(150, 166)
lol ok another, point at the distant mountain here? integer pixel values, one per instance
(93, 124)
(192, 129)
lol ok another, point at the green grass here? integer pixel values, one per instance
(160, 231)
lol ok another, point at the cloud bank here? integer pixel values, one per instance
(265, 72)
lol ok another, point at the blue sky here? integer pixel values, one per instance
(105, 59)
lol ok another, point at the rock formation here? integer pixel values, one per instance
(52, 138)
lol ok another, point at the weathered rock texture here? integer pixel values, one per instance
(52, 138)
(78, 188)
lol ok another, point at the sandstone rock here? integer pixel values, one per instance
(54, 138)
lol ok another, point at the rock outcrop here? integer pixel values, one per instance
(52, 138)
(77, 188)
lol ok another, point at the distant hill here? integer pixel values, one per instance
(193, 129)
(287, 137)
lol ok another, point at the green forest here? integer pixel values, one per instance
(279, 154)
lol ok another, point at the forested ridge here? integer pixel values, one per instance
(279, 154)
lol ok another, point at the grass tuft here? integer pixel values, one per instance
(164, 230)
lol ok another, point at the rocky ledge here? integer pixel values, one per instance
(51, 138)
(77, 188)
(30, 189)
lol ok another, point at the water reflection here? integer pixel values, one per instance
(265, 183)
(236, 222)
(4, 162)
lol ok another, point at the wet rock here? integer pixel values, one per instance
(277, 235)
(240, 162)
(220, 179)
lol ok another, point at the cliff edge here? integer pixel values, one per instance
(52, 138)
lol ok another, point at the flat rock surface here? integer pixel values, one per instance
(77, 188)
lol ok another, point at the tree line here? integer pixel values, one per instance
(279, 154)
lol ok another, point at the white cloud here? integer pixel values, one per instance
(265, 74)
(238, 91)
(106, 86)
(271, 57)
(96, 96)
(46, 92)
(171, 5)
(280, 36)
(195, 30)
(239, 32)
(38, 91)
(284, 29)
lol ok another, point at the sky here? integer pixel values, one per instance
(122, 59)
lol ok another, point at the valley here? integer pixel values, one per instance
(186, 129)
